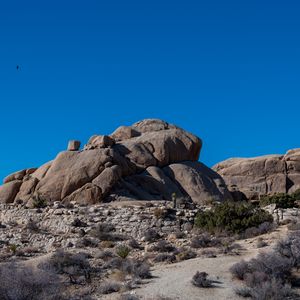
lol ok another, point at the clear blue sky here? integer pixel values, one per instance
(228, 71)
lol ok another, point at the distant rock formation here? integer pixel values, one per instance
(265, 175)
(146, 161)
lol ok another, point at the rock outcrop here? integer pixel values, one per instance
(146, 161)
(265, 175)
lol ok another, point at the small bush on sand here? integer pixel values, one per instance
(239, 269)
(185, 254)
(200, 280)
(135, 268)
(205, 240)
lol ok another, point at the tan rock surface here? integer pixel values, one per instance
(262, 175)
(134, 162)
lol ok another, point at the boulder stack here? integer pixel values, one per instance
(150, 160)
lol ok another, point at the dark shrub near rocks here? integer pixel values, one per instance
(106, 232)
(78, 223)
(281, 200)
(163, 246)
(151, 235)
(134, 244)
(232, 217)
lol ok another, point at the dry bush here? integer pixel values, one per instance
(32, 226)
(200, 280)
(106, 232)
(73, 265)
(136, 268)
(78, 223)
(87, 242)
(239, 269)
(163, 246)
(129, 297)
(185, 254)
(22, 283)
(209, 253)
(205, 240)
(243, 291)
(261, 243)
(134, 244)
(108, 287)
(272, 289)
(151, 235)
(165, 257)
(269, 275)
(263, 228)
(105, 255)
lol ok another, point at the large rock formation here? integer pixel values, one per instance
(265, 175)
(149, 160)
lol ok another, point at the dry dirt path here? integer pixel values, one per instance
(174, 281)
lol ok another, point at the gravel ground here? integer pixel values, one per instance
(174, 280)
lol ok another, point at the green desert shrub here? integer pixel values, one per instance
(123, 251)
(296, 194)
(281, 200)
(231, 217)
(38, 202)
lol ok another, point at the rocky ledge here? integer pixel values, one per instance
(150, 160)
(266, 175)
